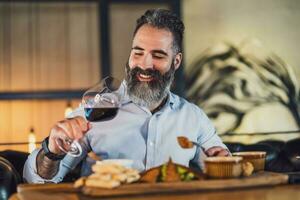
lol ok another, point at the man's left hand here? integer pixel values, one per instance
(217, 151)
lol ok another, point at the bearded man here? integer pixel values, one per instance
(150, 117)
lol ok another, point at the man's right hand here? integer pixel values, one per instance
(72, 128)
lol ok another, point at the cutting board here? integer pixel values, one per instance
(49, 187)
(256, 180)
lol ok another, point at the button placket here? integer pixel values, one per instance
(151, 143)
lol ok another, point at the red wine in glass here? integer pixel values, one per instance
(100, 114)
(100, 102)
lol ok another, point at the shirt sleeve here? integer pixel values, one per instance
(207, 137)
(30, 174)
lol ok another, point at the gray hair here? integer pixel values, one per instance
(163, 19)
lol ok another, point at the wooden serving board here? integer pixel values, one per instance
(49, 187)
(258, 179)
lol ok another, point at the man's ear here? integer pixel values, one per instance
(177, 60)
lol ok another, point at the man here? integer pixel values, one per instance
(150, 119)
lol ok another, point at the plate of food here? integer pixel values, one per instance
(118, 178)
(113, 179)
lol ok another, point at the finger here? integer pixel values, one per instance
(223, 152)
(90, 125)
(66, 126)
(83, 124)
(56, 134)
(210, 151)
(77, 132)
(213, 151)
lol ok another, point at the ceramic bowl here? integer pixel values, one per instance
(223, 167)
(257, 158)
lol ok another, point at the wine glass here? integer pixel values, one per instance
(100, 103)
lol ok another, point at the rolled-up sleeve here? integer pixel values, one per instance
(208, 136)
(30, 174)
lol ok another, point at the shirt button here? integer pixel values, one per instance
(151, 144)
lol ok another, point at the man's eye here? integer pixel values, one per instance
(158, 56)
(138, 53)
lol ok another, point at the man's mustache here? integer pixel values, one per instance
(149, 72)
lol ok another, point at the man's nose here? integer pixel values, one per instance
(147, 62)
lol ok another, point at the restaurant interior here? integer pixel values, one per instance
(240, 65)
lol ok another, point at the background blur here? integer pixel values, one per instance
(59, 48)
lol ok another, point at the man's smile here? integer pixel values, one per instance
(144, 78)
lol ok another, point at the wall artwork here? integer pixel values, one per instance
(248, 92)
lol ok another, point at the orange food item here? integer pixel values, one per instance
(151, 175)
(184, 142)
(170, 172)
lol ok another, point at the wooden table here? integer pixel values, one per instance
(262, 185)
(282, 192)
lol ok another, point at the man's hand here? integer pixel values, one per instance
(217, 151)
(73, 128)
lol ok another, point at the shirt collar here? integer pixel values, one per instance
(124, 93)
(171, 100)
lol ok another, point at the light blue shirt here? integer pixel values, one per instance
(135, 133)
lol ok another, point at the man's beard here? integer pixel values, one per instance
(150, 93)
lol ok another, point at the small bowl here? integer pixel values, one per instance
(223, 167)
(257, 158)
(123, 162)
